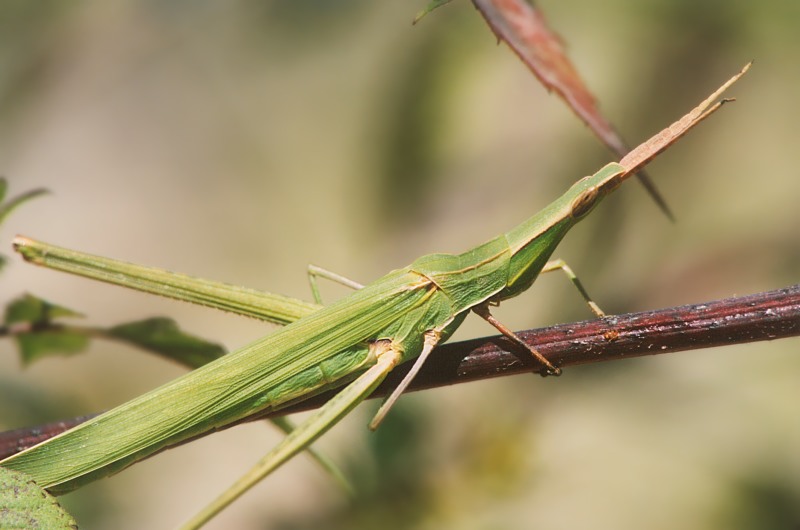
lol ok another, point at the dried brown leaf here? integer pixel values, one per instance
(524, 28)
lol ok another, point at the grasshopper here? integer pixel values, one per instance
(352, 344)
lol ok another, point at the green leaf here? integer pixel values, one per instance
(433, 4)
(44, 338)
(29, 308)
(162, 336)
(24, 505)
(49, 342)
(8, 207)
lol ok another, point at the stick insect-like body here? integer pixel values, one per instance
(352, 344)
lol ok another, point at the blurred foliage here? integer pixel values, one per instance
(35, 325)
(409, 131)
(761, 502)
(26, 49)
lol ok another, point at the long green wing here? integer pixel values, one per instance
(321, 351)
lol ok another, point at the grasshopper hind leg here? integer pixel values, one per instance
(560, 264)
(386, 358)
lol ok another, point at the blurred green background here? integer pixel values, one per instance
(243, 140)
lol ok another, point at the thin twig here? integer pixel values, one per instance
(764, 316)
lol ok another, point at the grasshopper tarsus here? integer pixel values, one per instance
(555, 372)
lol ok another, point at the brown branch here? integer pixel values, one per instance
(763, 316)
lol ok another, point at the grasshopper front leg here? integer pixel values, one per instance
(560, 264)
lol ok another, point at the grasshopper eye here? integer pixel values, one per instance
(584, 203)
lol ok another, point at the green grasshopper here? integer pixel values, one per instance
(352, 344)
